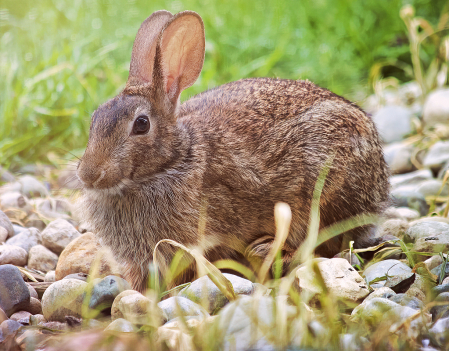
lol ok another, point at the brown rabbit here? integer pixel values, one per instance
(152, 162)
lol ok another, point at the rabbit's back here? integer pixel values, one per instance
(267, 141)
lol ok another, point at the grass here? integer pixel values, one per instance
(60, 59)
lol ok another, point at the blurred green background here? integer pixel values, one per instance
(60, 59)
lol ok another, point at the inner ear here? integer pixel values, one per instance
(182, 46)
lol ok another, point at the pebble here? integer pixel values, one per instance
(6, 176)
(404, 213)
(3, 235)
(404, 197)
(20, 315)
(35, 306)
(396, 227)
(15, 295)
(3, 316)
(26, 239)
(15, 200)
(440, 289)
(204, 287)
(15, 255)
(58, 234)
(443, 310)
(29, 186)
(50, 276)
(398, 157)
(17, 229)
(63, 298)
(380, 269)
(115, 310)
(8, 327)
(411, 178)
(425, 229)
(42, 259)
(139, 309)
(393, 123)
(121, 325)
(435, 243)
(432, 187)
(436, 107)
(383, 292)
(106, 290)
(79, 255)
(173, 305)
(439, 330)
(79, 276)
(341, 279)
(37, 318)
(33, 292)
(437, 156)
(409, 301)
(55, 208)
(6, 223)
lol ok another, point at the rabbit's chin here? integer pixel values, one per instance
(118, 189)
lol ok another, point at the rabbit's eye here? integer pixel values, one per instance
(141, 125)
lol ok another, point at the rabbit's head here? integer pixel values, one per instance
(135, 135)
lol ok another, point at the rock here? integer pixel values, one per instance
(409, 301)
(28, 186)
(340, 278)
(175, 337)
(26, 239)
(439, 330)
(411, 178)
(177, 304)
(437, 271)
(6, 223)
(6, 176)
(35, 306)
(54, 325)
(121, 325)
(238, 320)
(396, 227)
(204, 287)
(36, 319)
(20, 315)
(351, 342)
(351, 258)
(42, 259)
(440, 289)
(445, 280)
(79, 276)
(15, 200)
(115, 310)
(34, 221)
(393, 123)
(384, 292)
(443, 310)
(382, 268)
(58, 234)
(3, 235)
(139, 309)
(63, 298)
(404, 197)
(434, 243)
(437, 156)
(8, 327)
(3, 316)
(106, 290)
(17, 229)
(15, 295)
(78, 256)
(432, 187)
(400, 283)
(436, 107)
(403, 213)
(50, 276)
(425, 229)
(33, 292)
(55, 208)
(398, 157)
(15, 255)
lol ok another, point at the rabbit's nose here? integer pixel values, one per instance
(89, 175)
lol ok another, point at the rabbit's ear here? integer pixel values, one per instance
(180, 53)
(144, 48)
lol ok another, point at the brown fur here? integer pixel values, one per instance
(239, 148)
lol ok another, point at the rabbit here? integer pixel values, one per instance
(155, 168)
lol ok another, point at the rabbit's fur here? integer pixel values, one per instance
(228, 154)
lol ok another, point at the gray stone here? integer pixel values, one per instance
(27, 185)
(382, 268)
(54, 208)
(396, 227)
(35, 306)
(20, 315)
(26, 239)
(34, 221)
(400, 283)
(398, 157)
(15, 200)
(340, 278)
(432, 187)
(121, 325)
(425, 229)
(63, 298)
(205, 288)
(439, 330)
(106, 290)
(42, 259)
(383, 292)
(434, 243)
(17, 229)
(409, 301)
(137, 309)
(6, 176)
(33, 292)
(79, 276)
(436, 107)
(58, 234)
(404, 213)
(8, 328)
(411, 178)
(443, 310)
(437, 271)
(15, 295)
(3, 235)
(352, 342)
(6, 223)
(440, 289)
(116, 305)
(437, 156)
(15, 255)
(393, 123)
(405, 197)
(177, 304)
